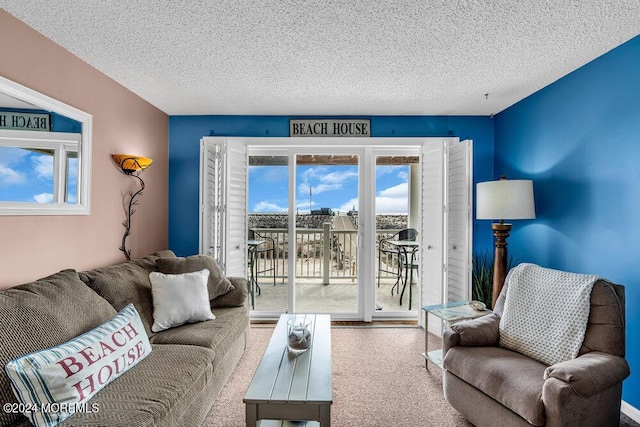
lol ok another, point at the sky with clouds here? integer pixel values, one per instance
(319, 186)
(27, 176)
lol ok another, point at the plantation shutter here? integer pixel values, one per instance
(223, 203)
(459, 222)
(211, 201)
(236, 215)
(432, 232)
(446, 224)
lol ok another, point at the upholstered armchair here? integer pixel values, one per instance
(494, 386)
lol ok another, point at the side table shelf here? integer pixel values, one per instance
(450, 313)
(434, 356)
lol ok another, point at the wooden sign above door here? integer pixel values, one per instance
(330, 127)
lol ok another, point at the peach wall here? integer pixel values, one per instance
(35, 246)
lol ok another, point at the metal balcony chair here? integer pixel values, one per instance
(388, 251)
(408, 264)
(264, 250)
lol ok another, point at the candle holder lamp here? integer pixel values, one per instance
(131, 166)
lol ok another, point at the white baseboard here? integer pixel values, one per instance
(630, 411)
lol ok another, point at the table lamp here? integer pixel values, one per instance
(500, 200)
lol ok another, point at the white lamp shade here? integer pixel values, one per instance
(505, 199)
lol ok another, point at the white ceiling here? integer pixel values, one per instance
(333, 57)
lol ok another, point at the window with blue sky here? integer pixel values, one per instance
(326, 186)
(27, 175)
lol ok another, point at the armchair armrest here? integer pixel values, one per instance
(590, 373)
(480, 332)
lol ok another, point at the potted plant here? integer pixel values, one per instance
(482, 276)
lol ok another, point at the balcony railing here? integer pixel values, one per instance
(322, 254)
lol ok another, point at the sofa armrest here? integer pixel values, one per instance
(590, 373)
(237, 297)
(480, 332)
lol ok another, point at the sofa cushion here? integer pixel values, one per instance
(157, 390)
(512, 379)
(70, 374)
(179, 299)
(218, 334)
(43, 314)
(218, 284)
(125, 283)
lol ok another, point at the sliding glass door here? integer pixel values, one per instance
(326, 229)
(396, 190)
(303, 219)
(303, 231)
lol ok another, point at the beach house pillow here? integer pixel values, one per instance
(217, 285)
(179, 299)
(55, 383)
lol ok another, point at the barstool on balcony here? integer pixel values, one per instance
(409, 250)
(260, 247)
(389, 251)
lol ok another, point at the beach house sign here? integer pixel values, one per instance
(330, 127)
(16, 120)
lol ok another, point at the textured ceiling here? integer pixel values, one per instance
(333, 57)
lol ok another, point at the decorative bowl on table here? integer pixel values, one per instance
(298, 335)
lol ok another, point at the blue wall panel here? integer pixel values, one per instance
(579, 140)
(185, 133)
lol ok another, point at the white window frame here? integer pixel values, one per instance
(58, 140)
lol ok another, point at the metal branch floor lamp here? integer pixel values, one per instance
(500, 200)
(132, 166)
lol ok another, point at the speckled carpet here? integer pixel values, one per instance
(379, 380)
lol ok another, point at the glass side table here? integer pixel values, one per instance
(451, 313)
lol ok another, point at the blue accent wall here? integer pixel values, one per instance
(578, 139)
(185, 133)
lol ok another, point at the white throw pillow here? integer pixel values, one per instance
(55, 383)
(179, 299)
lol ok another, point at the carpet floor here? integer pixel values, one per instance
(375, 384)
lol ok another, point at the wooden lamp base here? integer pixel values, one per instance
(500, 232)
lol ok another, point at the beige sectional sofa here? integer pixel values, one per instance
(176, 384)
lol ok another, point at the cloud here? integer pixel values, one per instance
(397, 191)
(393, 200)
(10, 176)
(43, 198)
(339, 177)
(10, 155)
(349, 205)
(388, 205)
(305, 206)
(328, 181)
(43, 166)
(401, 171)
(267, 206)
(387, 169)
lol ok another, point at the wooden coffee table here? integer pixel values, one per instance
(291, 388)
